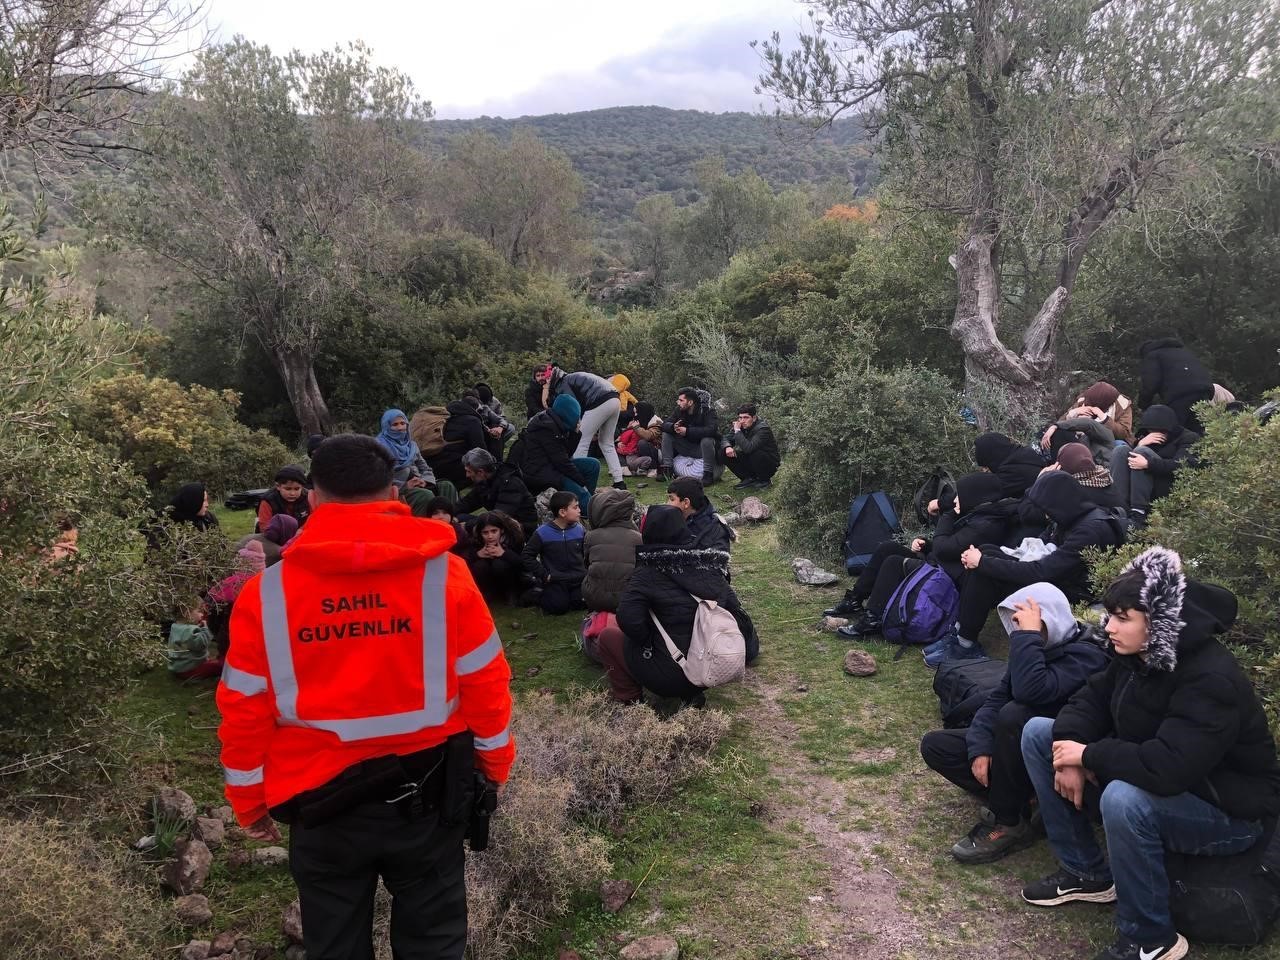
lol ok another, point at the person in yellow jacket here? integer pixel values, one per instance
(364, 688)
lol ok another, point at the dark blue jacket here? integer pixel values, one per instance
(1043, 679)
(709, 531)
(555, 554)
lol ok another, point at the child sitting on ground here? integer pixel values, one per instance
(189, 644)
(554, 556)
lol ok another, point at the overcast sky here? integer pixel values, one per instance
(520, 57)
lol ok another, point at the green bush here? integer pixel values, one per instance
(859, 430)
(173, 435)
(1224, 519)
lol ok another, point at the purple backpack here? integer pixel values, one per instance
(922, 609)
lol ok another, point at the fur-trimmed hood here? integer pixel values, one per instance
(680, 562)
(1182, 614)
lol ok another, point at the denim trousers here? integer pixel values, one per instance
(589, 467)
(1139, 827)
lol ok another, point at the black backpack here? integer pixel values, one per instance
(963, 686)
(872, 521)
(1233, 900)
(937, 486)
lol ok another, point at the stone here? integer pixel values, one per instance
(859, 664)
(211, 830)
(225, 814)
(190, 867)
(195, 950)
(224, 942)
(295, 952)
(172, 805)
(271, 857)
(614, 894)
(238, 860)
(193, 910)
(143, 844)
(832, 624)
(291, 922)
(245, 949)
(810, 574)
(532, 672)
(652, 948)
(569, 955)
(754, 509)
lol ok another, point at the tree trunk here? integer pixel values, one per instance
(297, 370)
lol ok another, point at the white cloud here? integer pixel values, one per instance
(537, 56)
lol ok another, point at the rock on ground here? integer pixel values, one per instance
(810, 574)
(271, 857)
(195, 950)
(859, 664)
(832, 624)
(224, 942)
(223, 813)
(753, 508)
(190, 867)
(614, 894)
(211, 830)
(173, 806)
(291, 922)
(193, 910)
(652, 948)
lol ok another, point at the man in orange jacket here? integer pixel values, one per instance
(361, 667)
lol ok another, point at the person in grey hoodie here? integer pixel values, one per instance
(1051, 655)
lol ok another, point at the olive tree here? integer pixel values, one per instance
(1034, 124)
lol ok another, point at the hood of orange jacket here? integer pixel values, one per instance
(368, 538)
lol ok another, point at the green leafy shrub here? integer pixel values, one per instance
(173, 435)
(1224, 520)
(858, 430)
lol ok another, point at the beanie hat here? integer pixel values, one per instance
(1075, 458)
(291, 474)
(1101, 395)
(567, 411)
(252, 556)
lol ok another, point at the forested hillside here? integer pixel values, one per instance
(627, 153)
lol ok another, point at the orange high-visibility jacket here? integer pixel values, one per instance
(368, 638)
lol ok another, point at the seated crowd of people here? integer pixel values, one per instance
(1147, 723)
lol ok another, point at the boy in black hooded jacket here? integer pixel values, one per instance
(1174, 736)
(1145, 473)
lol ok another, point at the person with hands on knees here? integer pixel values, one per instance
(364, 689)
(1145, 473)
(1051, 655)
(1170, 743)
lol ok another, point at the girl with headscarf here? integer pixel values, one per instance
(626, 399)
(410, 466)
(492, 553)
(191, 505)
(1102, 404)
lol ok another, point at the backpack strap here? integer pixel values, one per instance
(672, 649)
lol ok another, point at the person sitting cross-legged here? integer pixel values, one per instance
(554, 556)
(750, 451)
(1051, 655)
(1171, 742)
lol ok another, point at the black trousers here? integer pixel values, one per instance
(561, 596)
(337, 864)
(866, 581)
(1010, 792)
(979, 595)
(748, 466)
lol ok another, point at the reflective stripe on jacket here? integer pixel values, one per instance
(367, 639)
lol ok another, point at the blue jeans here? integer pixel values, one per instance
(1139, 826)
(589, 467)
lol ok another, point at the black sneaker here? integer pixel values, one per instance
(620, 485)
(850, 607)
(707, 480)
(1065, 887)
(761, 484)
(868, 625)
(744, 484)
(990, 841)
(1125, 949)
(1137, 519)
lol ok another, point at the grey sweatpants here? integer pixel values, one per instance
(601, 424)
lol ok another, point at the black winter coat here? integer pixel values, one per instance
(1178, 440)
(499, 578)
(1077, 524)
(662, 582)
(1172, 372)
(1038, 677)
(533, 399)
(542, 453)
(988, 523)
(463, 431)
(700, 421)
(757, 441)
(709, 530)
(505, 491)
(1193, 724)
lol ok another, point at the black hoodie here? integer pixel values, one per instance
(1016, 466)
(463, 431)
(1186, 718)
(1178, 440)
(669, 567)
(1077, 524)
(1172, 372)
(985, 517)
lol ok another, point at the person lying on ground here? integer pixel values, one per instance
(601, 409)
(691, 432)
(1076, 524)
(750, 451)
(1051, 655)
(1146, 472)
(554, 557)
(609, 549)
(542, 453)
(497, 486)
(980, 514)
(1170, 743)
(705, 525)
(492, 553)
(1174, 374)
(671, 569)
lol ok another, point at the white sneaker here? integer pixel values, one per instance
(626, 471)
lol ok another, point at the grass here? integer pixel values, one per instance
(821, 827)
